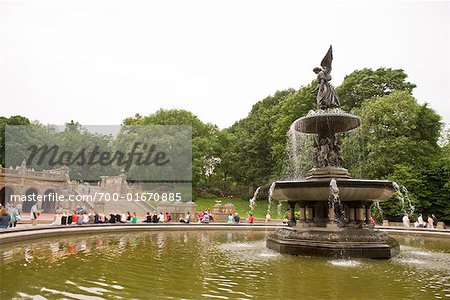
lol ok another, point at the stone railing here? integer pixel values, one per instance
(30, 174)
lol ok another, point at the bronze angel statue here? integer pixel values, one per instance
(326, 95)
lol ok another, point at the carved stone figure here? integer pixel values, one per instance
(328, 152)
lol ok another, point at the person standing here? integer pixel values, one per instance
(34, 214)
(430, 222)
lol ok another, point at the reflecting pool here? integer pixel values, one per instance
(213, 264)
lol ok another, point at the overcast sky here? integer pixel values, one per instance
(98, 63)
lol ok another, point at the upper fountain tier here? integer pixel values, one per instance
(328, 121)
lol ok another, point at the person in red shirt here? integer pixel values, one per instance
(251, 219)
(74, 218)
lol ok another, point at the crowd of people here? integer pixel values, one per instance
(10, 215)
(79, 217)
(430, 222)
(82, 217)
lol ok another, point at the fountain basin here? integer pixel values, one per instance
(327, 121)
(340, 242)
(319, 190)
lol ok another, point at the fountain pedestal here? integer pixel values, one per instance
(333, 242)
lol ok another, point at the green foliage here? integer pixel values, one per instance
(414, 181)
(365, 84)
(13, 120)
(260, 138)
(398, 141)
(395, 130)
(205, 140)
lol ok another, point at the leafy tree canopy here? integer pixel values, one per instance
(366, 84)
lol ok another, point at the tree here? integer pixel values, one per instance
(204, 138)
(395, 129)
(13, 120)
(366, 84)
(397, 140)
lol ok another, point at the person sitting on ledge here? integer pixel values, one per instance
(4, 218)
(405, 221)
(187, 218)
(123, 218)
(148, 218)
(251, 219)
(421, 222)
(205, 218)
(236, 218)
(155, 217)
(74, 218)
(96, 218)
(230, 219)
(430, 222)
(134, 219)
(14, 215)
(64, 219)
(57, 219)
(112, 218)
(167, 218)
(85, 218)
(80, 219)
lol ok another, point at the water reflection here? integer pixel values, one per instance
(207, 264)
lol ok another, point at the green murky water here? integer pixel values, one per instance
(213, 264)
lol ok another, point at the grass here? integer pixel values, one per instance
(242, 207)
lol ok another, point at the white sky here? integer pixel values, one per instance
(98, 63)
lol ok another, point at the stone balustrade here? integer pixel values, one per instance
(30, 174)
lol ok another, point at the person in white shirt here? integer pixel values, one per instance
(405, 221)
(421, 222)
(57, 220)
(230, 219)
(161, 217)
(34, 214)
(123, 218)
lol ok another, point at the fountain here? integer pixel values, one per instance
(334, 216)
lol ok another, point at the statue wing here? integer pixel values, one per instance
(327, 60)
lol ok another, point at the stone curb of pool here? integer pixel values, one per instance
(20, 234)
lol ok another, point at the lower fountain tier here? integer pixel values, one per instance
(338, 243)
(319, 190)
